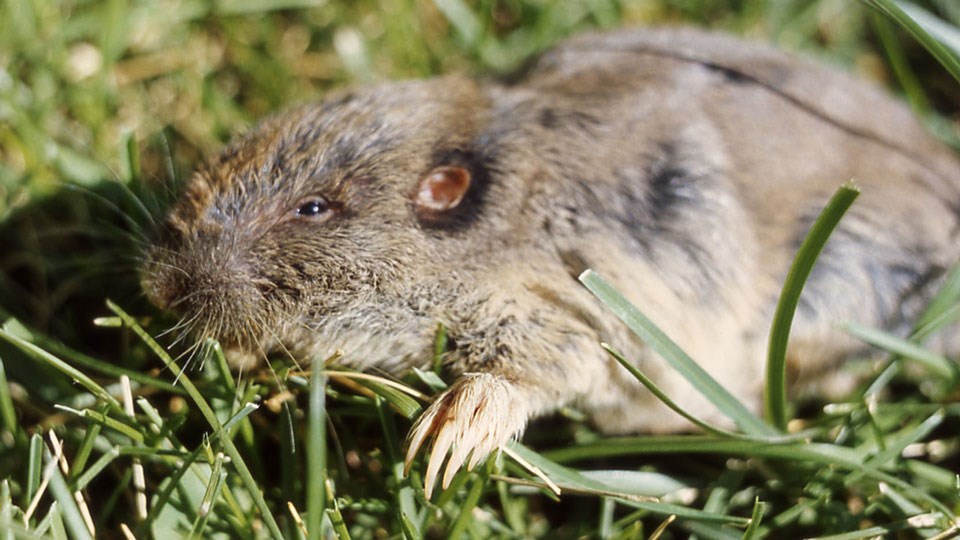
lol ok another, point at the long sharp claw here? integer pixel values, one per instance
(438, 453)
(471, 419)
(476, 458)
(454, 463)
(418, 434)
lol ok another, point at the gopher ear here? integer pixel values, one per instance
(442, 189)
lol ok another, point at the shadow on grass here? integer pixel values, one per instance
(62, 257)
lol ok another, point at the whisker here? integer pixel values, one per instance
(185, 298)
(191, 353)
(186, 325)
(180, 325)
(133, 224)
(139, 203)
(187, 332)
(283, 347)
(171, 266)
(205, 350)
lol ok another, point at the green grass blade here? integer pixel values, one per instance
(710, 531)
(513, 510)
(932, 475)
(174, 479)
(462, 19)
(755, 518)
(391, 441)
(431, 379)
(722, 490)
(943, 318)
(667, 509)
(896, 446)
(130, 158)
(775, 391)
(942, 309)
(337, 521)
(6, 510)
(19, 532)
(236, 458)
(95, 468)
(64, 497)
(8, 414)
(640, 483)
(240, 416)
(58, 530)
(905, 505)
(897, 58)
(106, 421)
(607, 508)
(86, 447)
(217, 476)
(947, 58)
(814, 452)
(316, 453)
(440, 345)
(937, 364)
(915, 524)
(401, 402)
(81, 360)
(465, 516)
(81, 378)
(676, 357)
(869, 532)
(655, 390)
(571, 480)
(34, 468)
(939, 29)
(408, 527)
(829, 455)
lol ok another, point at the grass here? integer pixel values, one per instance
(106, 106)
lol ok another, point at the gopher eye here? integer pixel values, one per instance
(313, 207)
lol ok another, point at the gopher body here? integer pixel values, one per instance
(682, 166)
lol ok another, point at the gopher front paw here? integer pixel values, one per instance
(474, 417)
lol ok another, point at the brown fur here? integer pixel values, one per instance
(684, 167)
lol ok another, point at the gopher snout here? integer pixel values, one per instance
(211, 286)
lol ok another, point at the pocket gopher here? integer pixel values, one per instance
(683, 166)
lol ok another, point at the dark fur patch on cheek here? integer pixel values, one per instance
(553, 119)
(668, 192)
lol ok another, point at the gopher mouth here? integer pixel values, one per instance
(245, 355)
(241, 359)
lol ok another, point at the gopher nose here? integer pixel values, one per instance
(157, 282)
(193, 286)
(188, 275)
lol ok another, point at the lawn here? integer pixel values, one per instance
(107, 431)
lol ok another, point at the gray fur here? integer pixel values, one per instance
(682, 166)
